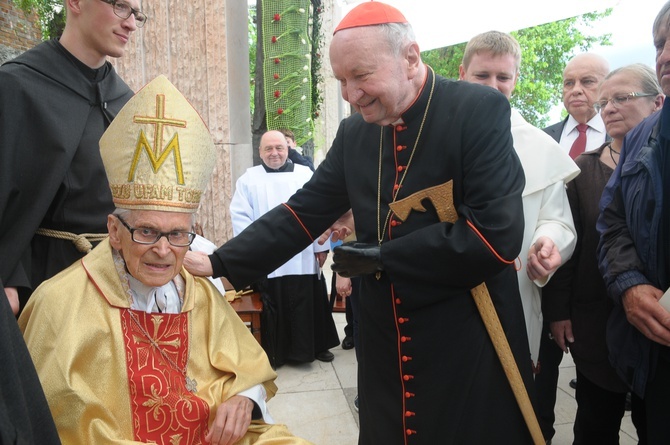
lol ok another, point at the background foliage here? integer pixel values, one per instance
(545, 51)
(50, 13)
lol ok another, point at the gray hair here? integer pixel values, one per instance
(123, 213)
(398, 36)
(641, 73)
(662, 19)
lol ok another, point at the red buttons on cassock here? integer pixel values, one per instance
(409, 395)
(396, 186)
(406, 358)
(409, 413)
(405, 339)
(407, 377)
(397, 301)
(401, 127)
(400, 168)
(395, 223)
(410, 432)
(403, 320)
(401, 147)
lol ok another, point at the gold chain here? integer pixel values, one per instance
(380, 233)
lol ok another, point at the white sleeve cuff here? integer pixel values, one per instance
(258, 395)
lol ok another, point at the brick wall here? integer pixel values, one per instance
(18, 32)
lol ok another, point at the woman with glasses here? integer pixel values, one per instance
(625, 97)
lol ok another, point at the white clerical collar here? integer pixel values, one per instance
(150, 299)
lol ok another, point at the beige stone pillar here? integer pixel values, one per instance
(333, 108)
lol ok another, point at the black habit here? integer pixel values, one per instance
(53, 111)
(24, 413)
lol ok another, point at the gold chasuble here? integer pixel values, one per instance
(106, 383)
(116, 375)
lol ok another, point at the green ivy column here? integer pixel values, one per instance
(287, 67)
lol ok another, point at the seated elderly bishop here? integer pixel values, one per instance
(129, 347)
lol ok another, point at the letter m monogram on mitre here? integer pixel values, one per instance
(157, 155)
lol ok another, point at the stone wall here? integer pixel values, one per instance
(334, 108)
(18, 31)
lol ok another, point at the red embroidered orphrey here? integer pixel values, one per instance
(162, 406)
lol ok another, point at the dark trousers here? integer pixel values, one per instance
(546, 382)
(599, 414)
(657, 403)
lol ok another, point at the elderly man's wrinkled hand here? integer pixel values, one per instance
(343, 285)
(561, 332)
(645, 312)
(198, 264)
(353, 259)
(342, 228)
(232, 421)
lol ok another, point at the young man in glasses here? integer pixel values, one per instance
(157, 355)
(56, 100)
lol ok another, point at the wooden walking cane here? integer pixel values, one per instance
(442, 199)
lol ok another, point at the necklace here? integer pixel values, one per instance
(612, 155)
(381, 230)
(191, 384)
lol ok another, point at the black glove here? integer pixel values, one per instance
(352, 259)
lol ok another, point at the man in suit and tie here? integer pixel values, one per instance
(581, 77)
(582, 130)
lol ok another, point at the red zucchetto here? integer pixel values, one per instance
(371, 13)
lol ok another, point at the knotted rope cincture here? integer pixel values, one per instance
(81, 241)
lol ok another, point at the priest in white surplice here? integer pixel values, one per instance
(298, 326)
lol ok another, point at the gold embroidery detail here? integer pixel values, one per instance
(157, 156)
(440, 195)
